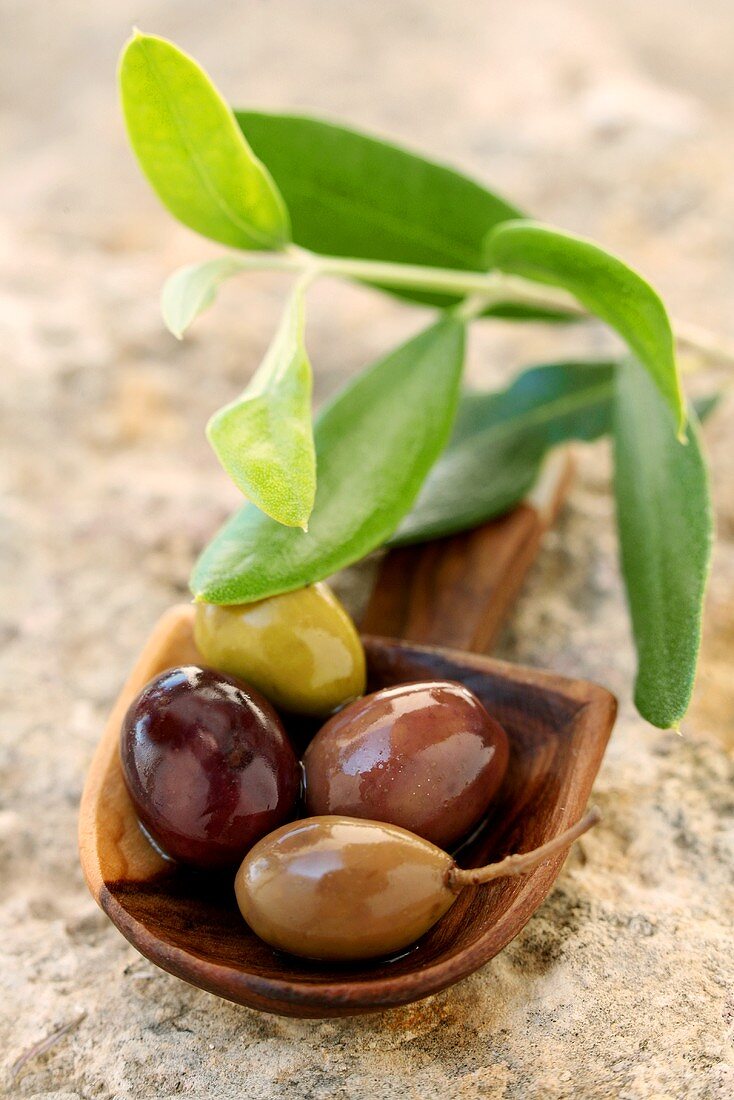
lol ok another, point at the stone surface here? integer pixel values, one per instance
(613, 119)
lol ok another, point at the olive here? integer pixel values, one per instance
(425, 756)
(341, 888)
(300, 649)
(207, 765)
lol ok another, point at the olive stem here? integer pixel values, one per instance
(517, 864)
(478, 289)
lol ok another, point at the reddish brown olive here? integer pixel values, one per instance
(425, 756)
(341, 888)
(207, 765)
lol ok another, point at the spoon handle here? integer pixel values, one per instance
(457, 591)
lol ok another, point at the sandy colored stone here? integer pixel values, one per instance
(613, 119)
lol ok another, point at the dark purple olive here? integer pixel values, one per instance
(207, 765)
(425, 756)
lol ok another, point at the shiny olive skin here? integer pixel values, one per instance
(425, 756)
(207, 765)
(300, 649)
(341, 889)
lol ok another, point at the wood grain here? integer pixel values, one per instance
(188, 923)
(457, 591)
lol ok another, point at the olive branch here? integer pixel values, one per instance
(403, 453)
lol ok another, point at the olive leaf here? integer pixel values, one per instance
(375, 443)
(665, 526)
(192, 289)
(604, 285)
(499, 443)
(353, 195)
(192, 151)
(558, 401)
(264, 439)
(355, 198)
(707, 404)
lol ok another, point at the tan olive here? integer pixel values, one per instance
(343, 888)
(300, 649)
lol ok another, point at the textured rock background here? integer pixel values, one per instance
(613, 119)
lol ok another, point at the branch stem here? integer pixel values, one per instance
(494, 286)
(480, 289)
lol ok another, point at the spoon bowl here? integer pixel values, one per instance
(188, 922)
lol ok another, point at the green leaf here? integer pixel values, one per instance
(665, 532)
(604, 285)
(264, 439)
(560, 401)
(500, 441)
(192, 151)
(375, 443)
(192, 289)
(353, 195)
(707, 405)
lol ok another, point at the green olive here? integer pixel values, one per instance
(343, 888)
(300, 649)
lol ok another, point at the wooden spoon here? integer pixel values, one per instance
(455, 589)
